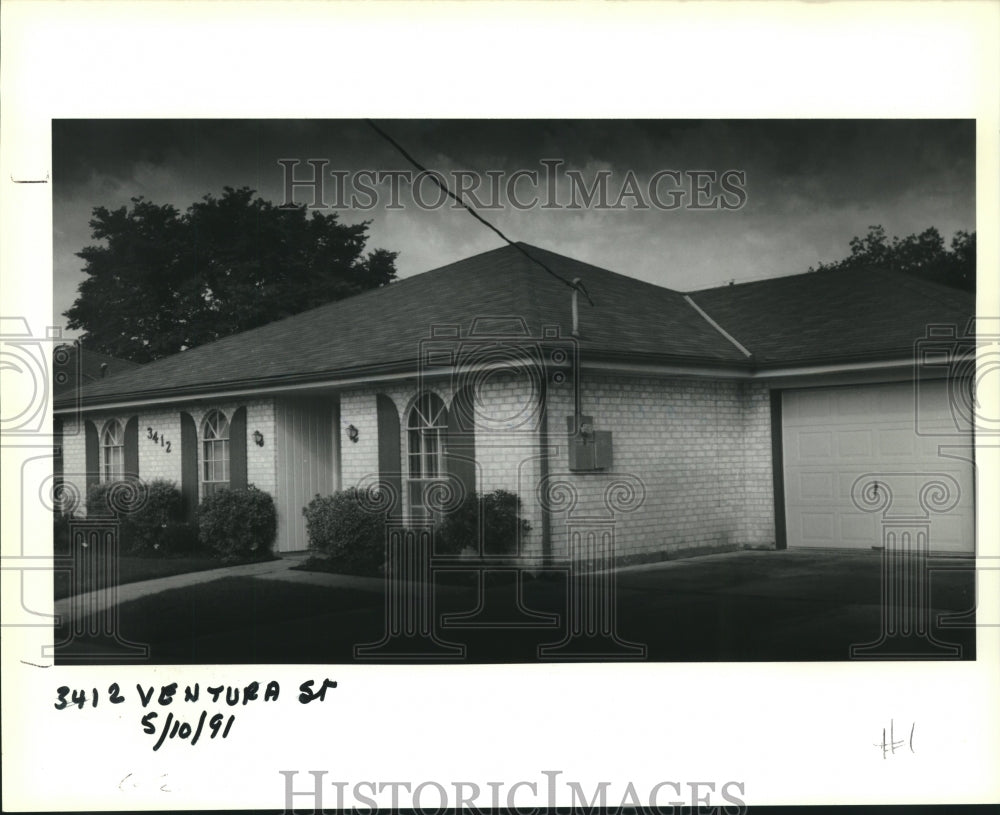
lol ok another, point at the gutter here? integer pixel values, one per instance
(607, 364)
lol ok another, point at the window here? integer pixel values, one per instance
(215, 458)
(112, 451)
(426, 427)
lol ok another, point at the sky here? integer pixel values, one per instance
(699, 203)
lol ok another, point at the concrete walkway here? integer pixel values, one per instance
(95, 601)
(279, 569)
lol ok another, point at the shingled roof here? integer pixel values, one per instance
(819, 316)
(74, 362)
(834, 316)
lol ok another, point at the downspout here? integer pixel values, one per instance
(575, 332)
(576, 307)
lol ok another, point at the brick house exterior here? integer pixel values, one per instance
(658, 412)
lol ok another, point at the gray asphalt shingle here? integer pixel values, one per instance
(818, 316)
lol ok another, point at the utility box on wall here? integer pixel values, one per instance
(589, 449)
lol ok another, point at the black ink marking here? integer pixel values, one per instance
(163, 733)
(201, 723)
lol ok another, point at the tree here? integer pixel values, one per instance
(163, 281)
(923, 255)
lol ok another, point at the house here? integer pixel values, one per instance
(731, 417)
(74, 366)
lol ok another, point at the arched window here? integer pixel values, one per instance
(215, 448)
(426, 427)
(112, 451)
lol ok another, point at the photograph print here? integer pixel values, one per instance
(513, 391)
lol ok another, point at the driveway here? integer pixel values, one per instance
(740, 606)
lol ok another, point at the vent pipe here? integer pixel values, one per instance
(104, 369)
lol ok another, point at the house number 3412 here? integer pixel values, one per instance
(156, 438)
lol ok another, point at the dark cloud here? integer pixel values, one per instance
(812, 184)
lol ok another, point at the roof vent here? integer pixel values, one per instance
(104, 369)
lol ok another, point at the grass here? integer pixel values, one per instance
(249, 620)
(332, 565)
(748, 606)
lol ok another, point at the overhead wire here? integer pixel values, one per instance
(435, 177)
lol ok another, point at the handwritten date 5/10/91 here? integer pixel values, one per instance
(177, 727)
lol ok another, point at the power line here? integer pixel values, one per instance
(444, 188)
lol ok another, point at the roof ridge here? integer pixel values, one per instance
(913, 282)
(718, 327)
(919, 285)
(602, 269)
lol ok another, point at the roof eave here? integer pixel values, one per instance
(662, 364)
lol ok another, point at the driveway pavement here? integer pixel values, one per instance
(740, 606)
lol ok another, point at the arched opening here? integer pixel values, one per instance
(426, 432)
(112, 451)
(215, 452)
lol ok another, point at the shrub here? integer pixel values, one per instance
(344, 527)
(60, 532)
(145, 530)
(179, 538)
(238, 523)
(154, 526)
(100, 501)
(502, 523)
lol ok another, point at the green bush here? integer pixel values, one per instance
(60, 532)
(460, 528)
(238, 523)
(345, 527)
(111, 498)
(180, 538)
(150, 518)
(145, 530)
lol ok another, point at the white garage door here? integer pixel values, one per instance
(831, 436)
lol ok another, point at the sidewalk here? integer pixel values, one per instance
(96, 601)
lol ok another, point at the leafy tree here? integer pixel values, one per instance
(923, 255)
(164, 281)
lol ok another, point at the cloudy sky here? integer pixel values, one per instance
(808, 188)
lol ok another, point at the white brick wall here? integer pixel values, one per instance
(507, 457)
(75, 460)
(261, 461)
(358, 460)
(701, 448)
(154, 459)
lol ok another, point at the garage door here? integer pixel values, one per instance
(831, 436)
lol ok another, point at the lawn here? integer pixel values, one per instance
(747, 606)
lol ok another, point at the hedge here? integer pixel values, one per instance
(238, 524)
(346, 527)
